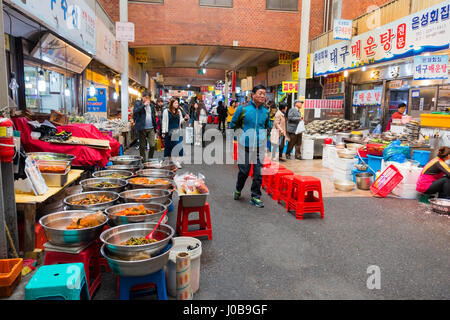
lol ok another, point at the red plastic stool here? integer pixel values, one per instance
(235, 150)
(267, 174)
(276, 183)
(285, 187)
(251, 171)
(204, 221)
(210, 119)
(301, 196)
(216, 120)
(89, 257)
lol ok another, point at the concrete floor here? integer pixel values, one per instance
(268, 254)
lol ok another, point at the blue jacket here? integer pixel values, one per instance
(139, 115)
(255, 122)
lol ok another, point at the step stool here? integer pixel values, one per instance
(204, 221)
(89, 257)
(285, 186)
(52, 283)
(267, 174)
(302, 199)
(142, 285)
(276, 183)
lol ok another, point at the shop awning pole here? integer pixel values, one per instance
(124, 87)
(303, 52)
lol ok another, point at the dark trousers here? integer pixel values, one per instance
(295, 140)
(441, 186)
(222, 123)
(244, 171)
(144, 135)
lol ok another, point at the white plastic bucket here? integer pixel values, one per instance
(180, 244)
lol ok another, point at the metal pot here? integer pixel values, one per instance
(158, 195)
(93, 207)
(107, 174)
(364, 180)
(55, 224)
(135, 268)
(113, 238)
(156, 173)
(117, 220)
(165, 165)
(88, 184)
(346, 154)
(127, 160)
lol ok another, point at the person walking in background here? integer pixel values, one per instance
(231, 110)
(145, 123)
(295, 140)
(200, 116)
(222, 111)
(278, 133)
(171, 128)
(253, 119)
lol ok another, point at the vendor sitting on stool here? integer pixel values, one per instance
(397, 115)
(435, 176)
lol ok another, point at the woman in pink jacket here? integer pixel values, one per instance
(278, 133)
(435, 176)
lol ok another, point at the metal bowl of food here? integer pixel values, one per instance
(114, 174)
(344, 185)
(138, 265)
(340, 145)
(145, 195)
(116, 237)
(354, 146)
(55, 227)
(127, 160)
(104, 184)
(50, 156)
(132, 168)
(362, 167)
(156, 173)
(440, 205)
(92, 200)
(135, 212)
(162, 164)
(347, 154)
(148, 182)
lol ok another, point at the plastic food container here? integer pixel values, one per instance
(180, 244)
(10, 275)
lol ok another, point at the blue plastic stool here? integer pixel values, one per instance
(58, 282)
(158, 278)
(422, 156)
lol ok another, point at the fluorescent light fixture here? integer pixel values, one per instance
(364, 68)
(204, 71)
(92, 90)
(188, 85)
(346, 74)
(115, 96)
(42, 85)
(67, 92)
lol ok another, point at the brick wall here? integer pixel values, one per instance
(352, 9)
(248, 22)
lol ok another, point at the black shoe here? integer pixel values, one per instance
(257, 202)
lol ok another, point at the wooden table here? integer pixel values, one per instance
(29, 203)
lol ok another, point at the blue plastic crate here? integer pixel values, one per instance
(422, 156)
(374, 162)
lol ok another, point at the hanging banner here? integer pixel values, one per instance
(141, 55)
(424, 31)
(71, 19)
(366, 98)
(289, 87)
(295, 67)
(96, 103)
(109, 51)
(96, 77)
(278, 74)
(323, 104)
(342, 29)
(431, 67)
(284, 58)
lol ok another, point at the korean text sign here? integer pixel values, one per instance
(365, 98)
(97, 102)
(427, 30)
(431, 67)
(342, 29)
(289, 87)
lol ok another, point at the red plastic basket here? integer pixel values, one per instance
(362, 152)
(386, 182)
(375, 149)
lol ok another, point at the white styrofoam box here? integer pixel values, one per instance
(307, 155)
(406, 191)
(342, 175)
(410, 173)
(345, 164)
(307, 146)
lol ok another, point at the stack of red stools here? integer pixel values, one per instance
(216, 120)
(285, 188)
(204, 221)
(89, 257)
(210, 119)
(275, 184)
(268, 171)
(301, 196)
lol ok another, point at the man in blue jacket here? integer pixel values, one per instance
(144, 117)
(253, 119)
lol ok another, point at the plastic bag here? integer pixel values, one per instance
(189, 135)
(396, 152)
(300, 127)
(190, 183)
(377, 129)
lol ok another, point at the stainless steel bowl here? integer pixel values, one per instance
(344, 185)
(152, 186)
(440, 205)
(113, 238)
(124, 167)
(127, 160)
(156, 173)
(106, 174)
(135, 268)
(364, 180)
(164, 165)
(354, 146)
(50, 156)
(117, 220)
(93, 207)
(55, 224)
(362, 167)
(346, 154)
(158, 195)
(88, 184)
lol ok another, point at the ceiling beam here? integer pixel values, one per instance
(202, 56)
(167, 55)
(214, 53)
(246, 60)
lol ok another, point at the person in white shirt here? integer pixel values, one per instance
(171, 128)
